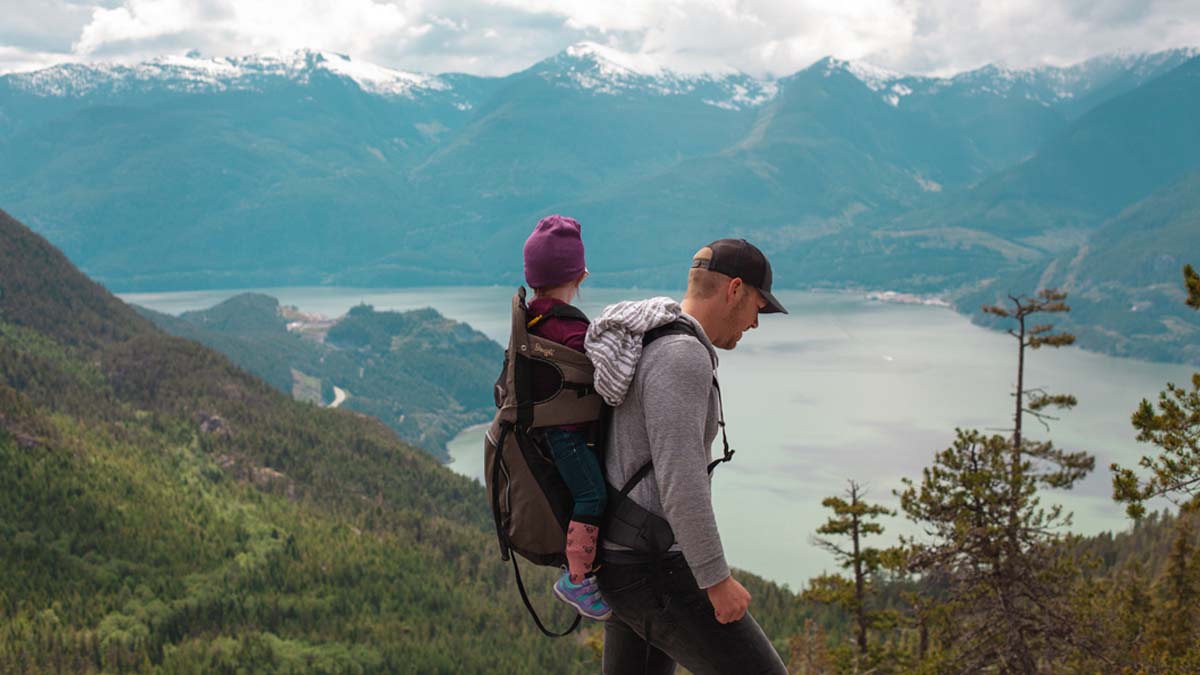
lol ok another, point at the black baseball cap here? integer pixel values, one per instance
(740, 259)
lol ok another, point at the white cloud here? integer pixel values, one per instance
(500, 36)
(953, 36)
(17, 60)
(245, 26)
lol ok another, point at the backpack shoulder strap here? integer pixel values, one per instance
(562, 311)
(567, 312)
(683, 327)
(676, 327)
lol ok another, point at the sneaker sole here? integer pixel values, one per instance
(578, 608)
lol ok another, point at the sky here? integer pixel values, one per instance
(495, 37)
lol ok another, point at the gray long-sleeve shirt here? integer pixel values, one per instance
(669, 417)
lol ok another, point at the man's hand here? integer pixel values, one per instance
(729, 599)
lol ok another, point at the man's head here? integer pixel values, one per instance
(729, 285)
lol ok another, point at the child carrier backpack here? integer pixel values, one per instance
(547, 384)
(543, 384)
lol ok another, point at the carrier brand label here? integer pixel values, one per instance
(544, 351)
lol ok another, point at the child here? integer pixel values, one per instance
(554, 269)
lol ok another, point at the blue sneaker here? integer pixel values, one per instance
(585, 597)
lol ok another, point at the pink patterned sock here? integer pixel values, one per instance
(581, 549)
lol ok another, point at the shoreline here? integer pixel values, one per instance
(460, 432)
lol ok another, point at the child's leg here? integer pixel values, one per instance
(581, 471)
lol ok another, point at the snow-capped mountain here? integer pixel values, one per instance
(309, 164)
(607, 71)
(597, 68)
(889, 84)
(1071, 88)
(195, 74)
(1050, 84)
(586, 65)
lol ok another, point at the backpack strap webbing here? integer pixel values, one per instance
(676, 327)
(532, 612)
(506, 550)
(563, 311)
(497, 465)
(685, 327)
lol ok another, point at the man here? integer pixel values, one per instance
(681, 606)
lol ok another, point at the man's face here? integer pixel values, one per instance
(742, 316)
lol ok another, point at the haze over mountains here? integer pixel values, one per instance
(312, 168)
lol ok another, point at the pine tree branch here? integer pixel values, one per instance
(1191, 281)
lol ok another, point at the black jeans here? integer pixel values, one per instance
(682, 628)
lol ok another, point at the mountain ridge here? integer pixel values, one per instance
(611, 70)
(847, 176)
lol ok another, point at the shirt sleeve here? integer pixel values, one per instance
(676, 387)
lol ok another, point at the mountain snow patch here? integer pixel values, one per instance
(195, 74)
(876, 78)
(744, 96)
(606, 71)
(379, 80)
(611, 63)
(897, 92)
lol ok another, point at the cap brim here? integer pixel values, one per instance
(773, 305)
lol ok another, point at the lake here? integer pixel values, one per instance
(841, 388)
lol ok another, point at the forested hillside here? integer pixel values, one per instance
(1124, 278)
(425, 376)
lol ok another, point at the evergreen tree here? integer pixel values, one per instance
(1136, 605)
(1192, 280)
(1178, 620)
(1175, 428)
(995, 548)
(1033, 401)
(851, 519)
(1130, 604)
(806, 652)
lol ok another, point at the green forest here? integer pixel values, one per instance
(164, 510)
(425, 376)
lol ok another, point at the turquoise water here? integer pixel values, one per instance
(841, 388)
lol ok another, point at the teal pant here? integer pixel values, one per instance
(581, 471)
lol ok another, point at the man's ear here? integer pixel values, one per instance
(731, 290)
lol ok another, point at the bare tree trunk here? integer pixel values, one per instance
(859, 609)
(1012, 547)
(1020, 380)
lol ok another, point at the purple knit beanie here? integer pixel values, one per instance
(554, 252)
